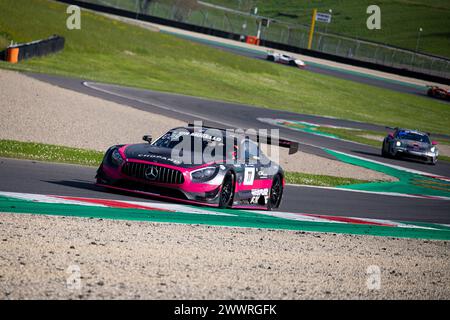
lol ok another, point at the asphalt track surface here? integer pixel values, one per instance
(70, 180)
(57, 179)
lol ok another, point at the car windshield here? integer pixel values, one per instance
(252, 151)
(414, 136)
(174, 137)
(245, 149)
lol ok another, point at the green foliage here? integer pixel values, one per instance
(47, 152)
(320, 180)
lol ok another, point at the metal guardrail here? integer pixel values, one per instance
(35, 48)
(193, 12)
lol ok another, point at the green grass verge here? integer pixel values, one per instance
(320, 180)
(60, 154)
(400, 19)
(47, 152)
(110, 51)
(444, 158)
(356, 135)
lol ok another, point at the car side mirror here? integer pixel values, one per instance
(434, 143)
(147, 138)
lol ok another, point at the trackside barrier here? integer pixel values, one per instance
(252, 40)
(12, 55)
(131, 10)
(19, 52)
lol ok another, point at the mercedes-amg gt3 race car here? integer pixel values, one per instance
(437, 92)
(411, 144)
(285, 59)
(238, 174)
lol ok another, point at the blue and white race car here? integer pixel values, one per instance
(411, 144)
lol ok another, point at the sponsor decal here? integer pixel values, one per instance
(204, 136)
(152, 173)
(249, 176)
(155, 156)
(257, 194)
(262, 174)
(260, 192)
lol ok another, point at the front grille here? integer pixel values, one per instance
(152, 173)
(416, 149)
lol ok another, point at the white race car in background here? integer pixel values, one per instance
(285, 59)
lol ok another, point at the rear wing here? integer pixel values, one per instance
(282, 143)
(397, 128)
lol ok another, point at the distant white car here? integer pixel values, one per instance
(285, 59)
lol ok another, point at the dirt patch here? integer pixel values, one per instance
(371, 137)
(141, 260)
(36, 111)
(444, 149)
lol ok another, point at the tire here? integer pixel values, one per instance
(432, 161)
(391, 154)
(386, 153)
(383, 152)
(276, 193)
(100, 176)
(270, 58)
(292, 63)
(227, 191)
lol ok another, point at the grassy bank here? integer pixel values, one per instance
(110, 51)
(50, 153)
(371, 138)
(60, 154)
(319, 180)
(401, 19)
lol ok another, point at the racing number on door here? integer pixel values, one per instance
(249, 176)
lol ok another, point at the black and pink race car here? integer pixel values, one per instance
(207, 166)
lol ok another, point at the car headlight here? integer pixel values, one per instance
(203, 174)
(433, 149)
(398, 143)
(116, 158)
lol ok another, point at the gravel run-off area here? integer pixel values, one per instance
(77, 258)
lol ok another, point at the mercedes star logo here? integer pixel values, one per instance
(151, 173)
